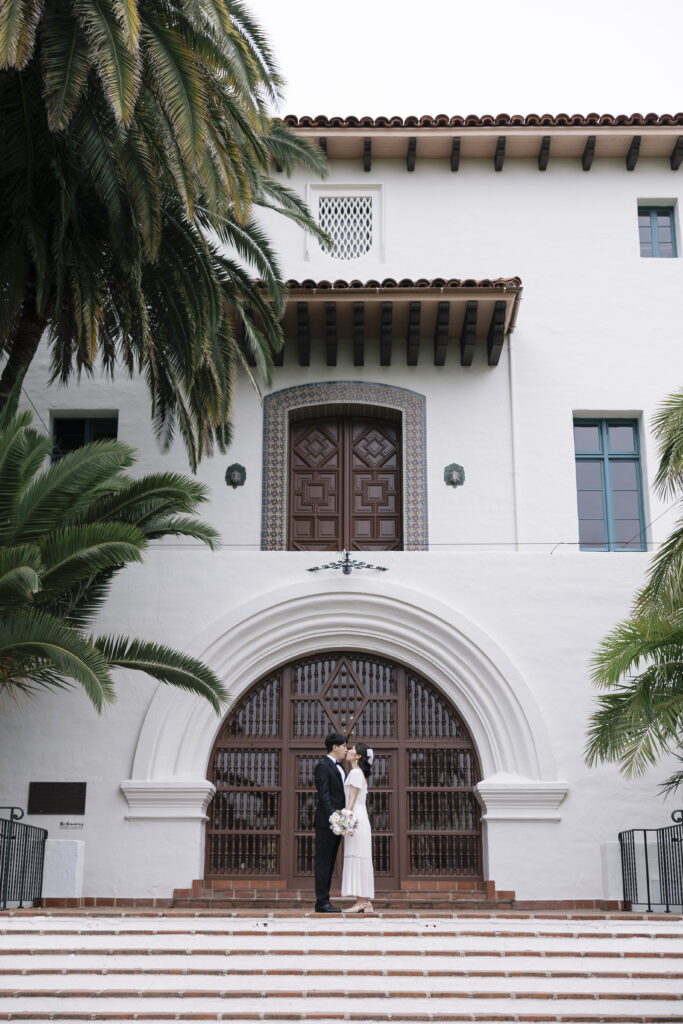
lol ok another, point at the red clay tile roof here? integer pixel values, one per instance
(422, 282)
(488, 121)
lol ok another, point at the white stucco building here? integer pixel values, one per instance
(503, 299)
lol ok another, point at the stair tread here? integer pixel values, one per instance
(601, 1008)
(455, 964)
(355, 981)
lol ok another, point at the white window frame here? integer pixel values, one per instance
(312, 248)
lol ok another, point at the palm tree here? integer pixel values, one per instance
(137, 147)
(640, 662)
(66, 530)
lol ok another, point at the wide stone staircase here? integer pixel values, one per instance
(162, 966)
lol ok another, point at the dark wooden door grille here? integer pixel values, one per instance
(345, 485)
(425, 816)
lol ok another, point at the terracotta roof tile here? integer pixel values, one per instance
(389, 282)
(487, 120)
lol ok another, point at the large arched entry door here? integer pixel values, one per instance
(425, 816)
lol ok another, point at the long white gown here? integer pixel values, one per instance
(358, 877)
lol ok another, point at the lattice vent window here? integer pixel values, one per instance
(348, 222)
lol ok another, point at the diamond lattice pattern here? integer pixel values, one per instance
(348, 221)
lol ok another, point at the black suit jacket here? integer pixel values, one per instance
(331, 797)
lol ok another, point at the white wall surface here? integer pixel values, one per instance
(598, 333)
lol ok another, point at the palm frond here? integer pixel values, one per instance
(20, 570)
(64, 56)
(19, 20)
(35, 636)
(667, 427)
(75, 553)
(117, 64)
(63, 490)
(166, 665)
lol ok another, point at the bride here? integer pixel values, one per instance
(358, 880)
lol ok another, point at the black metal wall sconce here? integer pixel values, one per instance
(454, 475)
(235, 475)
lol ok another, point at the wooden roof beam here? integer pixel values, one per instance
(279, 357)
(367, 154)
(544, 153)
(496, 335)
(358, 334)
(412, 153)
(385, 335)
(633, 151)
(677, 154)
(322, 142)
(413, 341)
(441, 334)
(468, 336)
(304, 333)
(500, 153)
(455, 153)
(331, 332)
(588, 153)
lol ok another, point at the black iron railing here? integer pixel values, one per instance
(652, 867)
(22, 851)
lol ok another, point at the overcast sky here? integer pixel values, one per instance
(481, 56)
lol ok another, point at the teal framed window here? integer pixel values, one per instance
(71, 432)
(657, 231)
(609, 485)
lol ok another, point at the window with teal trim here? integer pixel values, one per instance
(657, 231)
(609, 485)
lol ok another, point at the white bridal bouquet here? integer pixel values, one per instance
(343, 823)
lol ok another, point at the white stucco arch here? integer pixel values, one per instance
(516, 759)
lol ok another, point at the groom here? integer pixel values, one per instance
(329, 782)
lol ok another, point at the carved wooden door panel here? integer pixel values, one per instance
(345, 485)
(424, 815)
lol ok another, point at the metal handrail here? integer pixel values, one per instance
(22, 855)
(652, 866)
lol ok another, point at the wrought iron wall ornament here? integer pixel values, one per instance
(454, 475)
(347, 565)
(235, 475)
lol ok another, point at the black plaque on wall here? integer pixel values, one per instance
(56, 797)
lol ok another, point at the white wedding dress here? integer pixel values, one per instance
(358, 877)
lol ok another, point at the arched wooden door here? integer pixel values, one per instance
(424, 814)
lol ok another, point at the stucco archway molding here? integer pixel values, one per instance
(178, 733)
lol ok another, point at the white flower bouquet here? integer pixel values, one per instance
(343, 823)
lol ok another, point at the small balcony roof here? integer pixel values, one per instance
(408, 320)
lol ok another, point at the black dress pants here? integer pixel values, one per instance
(326, 846)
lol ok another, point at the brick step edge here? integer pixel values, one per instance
(91, 903)
(171, 951)
(64, 972)
(596, 999)
(326, 1018)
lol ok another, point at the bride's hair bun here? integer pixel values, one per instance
(366, 758)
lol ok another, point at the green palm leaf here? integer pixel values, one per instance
(76, 553)
(111, 54)
(166, 665)
(27, 637)
(65, 67)
(61, 492)
(20, 570)
(19, 20)
(87, 520)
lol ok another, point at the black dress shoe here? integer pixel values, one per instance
(326, 908)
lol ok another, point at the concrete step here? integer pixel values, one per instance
(587, 968)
